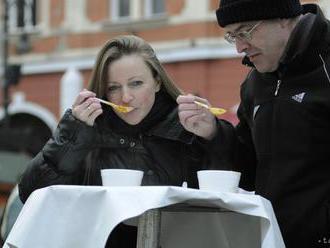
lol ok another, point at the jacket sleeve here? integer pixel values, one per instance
(245, 157)
(61, 159)
(219, 150)
(233, 148)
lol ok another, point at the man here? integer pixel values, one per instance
(282, 141)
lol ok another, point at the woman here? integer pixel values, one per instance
(92, 136)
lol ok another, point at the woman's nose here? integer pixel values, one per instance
(126, 96)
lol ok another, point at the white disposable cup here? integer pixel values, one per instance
(121, 177)
(218, 180)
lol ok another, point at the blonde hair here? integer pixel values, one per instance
(114, 49)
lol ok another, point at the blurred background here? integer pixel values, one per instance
(48, 48)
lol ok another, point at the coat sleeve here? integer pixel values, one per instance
(219, 150)
(61, 160)
(233, 148)
(244, 151)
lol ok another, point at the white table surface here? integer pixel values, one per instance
(83, 216)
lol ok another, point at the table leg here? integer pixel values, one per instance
(149, 229)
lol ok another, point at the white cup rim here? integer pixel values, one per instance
(218, 171)
(121, 177)
(219, 180)
(119, 169)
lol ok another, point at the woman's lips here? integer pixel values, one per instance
(130, 112)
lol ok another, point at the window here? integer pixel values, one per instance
(123, 10)
(22, 15)
(120, 9)
(154, 8)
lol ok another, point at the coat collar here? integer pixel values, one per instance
(172, 129)
(169, 128)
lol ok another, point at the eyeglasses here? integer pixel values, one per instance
(243, 35)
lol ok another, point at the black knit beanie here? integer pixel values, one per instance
(234, 11)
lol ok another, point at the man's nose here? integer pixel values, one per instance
(241, 45)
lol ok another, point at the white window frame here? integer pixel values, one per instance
(115, 11)
(135, 11)
(148, 13)
(28, 18)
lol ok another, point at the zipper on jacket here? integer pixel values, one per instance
(325, 68)
(277, 87)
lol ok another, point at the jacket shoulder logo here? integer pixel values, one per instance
(299, 97)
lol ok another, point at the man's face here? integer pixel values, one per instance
(264, 45)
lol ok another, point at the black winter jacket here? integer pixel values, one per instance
(167, 153)
(283, 137)
(159, 146)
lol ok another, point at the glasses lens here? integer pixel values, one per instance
(230, 38)
(244, 36)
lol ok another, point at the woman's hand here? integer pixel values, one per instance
(196, 119)
(86, 107)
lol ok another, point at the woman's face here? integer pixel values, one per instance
(130, 83)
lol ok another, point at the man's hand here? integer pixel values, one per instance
(196, 119)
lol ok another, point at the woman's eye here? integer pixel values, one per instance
(113, 88)
(135, 83)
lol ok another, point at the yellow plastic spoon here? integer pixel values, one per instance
(119, 108)
(213, 110)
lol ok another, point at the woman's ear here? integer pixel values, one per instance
(158, 83)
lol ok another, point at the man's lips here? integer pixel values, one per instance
(253, 56)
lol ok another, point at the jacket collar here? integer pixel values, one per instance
(172, 129)
(169, 128)
(309, 39)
